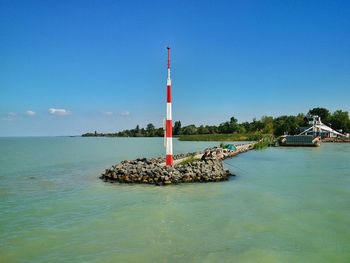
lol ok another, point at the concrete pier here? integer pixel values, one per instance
(205, 166)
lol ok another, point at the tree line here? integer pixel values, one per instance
(290, 124)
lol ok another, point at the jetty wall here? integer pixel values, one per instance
(188, 168)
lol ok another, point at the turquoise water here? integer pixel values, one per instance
(284, 205)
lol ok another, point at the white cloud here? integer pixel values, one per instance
(30, 113)
(10, 116)
(125, 113)
(108, 113)
(59, 112)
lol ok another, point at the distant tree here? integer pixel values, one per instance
(340, 121)
(301, 120)
(286, 124)
(189, 130)
(177, 127)
(202, 130)
(233, 120)
(233, 125)
(256, 125)
(247, 126)
(321, 112)
(150, 127)
(224, 127)
(159, 132)
(212, 129)
(134, 132)
(142, 133)
(267, 123)
(241, 129)
(150, 130)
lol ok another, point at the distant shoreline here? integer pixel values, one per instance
(199, 137)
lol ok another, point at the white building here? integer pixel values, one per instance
(319, 129)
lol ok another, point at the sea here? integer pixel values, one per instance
(283, 205)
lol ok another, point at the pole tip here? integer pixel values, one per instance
(168, 47)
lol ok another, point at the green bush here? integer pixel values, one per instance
(264, 142)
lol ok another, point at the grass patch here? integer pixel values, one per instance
(222, 145)
(188, 160)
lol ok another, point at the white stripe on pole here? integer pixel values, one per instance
(169, 145)
(168, 111)
(164, 127)
(169, 80)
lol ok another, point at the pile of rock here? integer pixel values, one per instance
(218, 153)
(153, 171)
(215, 153)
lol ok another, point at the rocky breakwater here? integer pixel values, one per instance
(190, 168)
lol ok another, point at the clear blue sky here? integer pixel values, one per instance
(68, 67)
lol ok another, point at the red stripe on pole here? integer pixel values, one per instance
(169, 159)
(168, 57)
(168, 94)
(169, 129)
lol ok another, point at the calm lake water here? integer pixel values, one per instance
(284, 205)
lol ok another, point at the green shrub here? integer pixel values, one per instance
(188, 160)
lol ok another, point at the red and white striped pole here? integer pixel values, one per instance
(168, 124)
